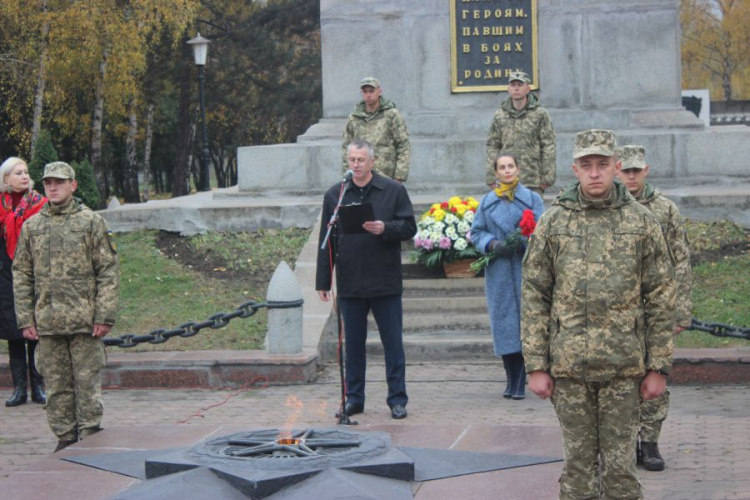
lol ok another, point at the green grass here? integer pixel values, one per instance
(157, 292)
(721, 289)
(721, 294)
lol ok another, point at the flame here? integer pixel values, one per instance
(288, 440)
(296, 406)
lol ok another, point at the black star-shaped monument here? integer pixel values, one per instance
(294, 465)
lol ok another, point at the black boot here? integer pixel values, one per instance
(519, 390)
(508, 392)
(18, 372)
(519, 377)
(35, 378)
(651, 457)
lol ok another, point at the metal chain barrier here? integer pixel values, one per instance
(720, 329)
(185, 330)
(220, 320)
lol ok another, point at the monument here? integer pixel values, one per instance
(601, 64)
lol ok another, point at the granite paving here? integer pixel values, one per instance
(705, 441)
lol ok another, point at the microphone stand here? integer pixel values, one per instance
(335, 215)
(343, 418)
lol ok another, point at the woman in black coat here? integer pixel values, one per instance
(18, 202)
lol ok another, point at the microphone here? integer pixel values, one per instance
(348, 176)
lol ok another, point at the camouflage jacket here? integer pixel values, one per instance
(673, 229)
(598, 293)
(65, 273)
(386, 130)
(528, 134)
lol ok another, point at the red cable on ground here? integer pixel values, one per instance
(245, 387)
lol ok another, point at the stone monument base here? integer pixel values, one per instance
(677, 155)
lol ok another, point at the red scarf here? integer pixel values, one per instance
(12, 219)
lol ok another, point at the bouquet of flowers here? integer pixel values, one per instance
(512, 241)
(444, 232)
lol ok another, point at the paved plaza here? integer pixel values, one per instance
(705, 442)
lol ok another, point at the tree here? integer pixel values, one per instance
(44, 153)
(268, 87)
(715, 40)
(117, 85)
(87, 191)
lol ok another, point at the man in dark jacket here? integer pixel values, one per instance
(368, 274)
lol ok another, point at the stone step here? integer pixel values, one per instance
(451, 321)
(439, 346)
(442, 288)
(442, 306)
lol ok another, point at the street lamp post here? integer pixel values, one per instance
(200, 51)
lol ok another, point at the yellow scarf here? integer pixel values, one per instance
(506, 190)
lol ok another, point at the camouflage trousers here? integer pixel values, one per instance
(72, 365)
(599, 422)
(653, 415)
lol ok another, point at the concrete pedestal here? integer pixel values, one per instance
(603, 64)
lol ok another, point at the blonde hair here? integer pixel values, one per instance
(5, 169)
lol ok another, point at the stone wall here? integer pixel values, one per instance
(602, 64)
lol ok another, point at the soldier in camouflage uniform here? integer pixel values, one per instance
(376, 120)
(65, 283)
(633, 175)
(523, 128)
(597, 312)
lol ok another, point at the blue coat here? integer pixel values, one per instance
(496, 218)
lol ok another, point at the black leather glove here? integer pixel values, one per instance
(497, 247)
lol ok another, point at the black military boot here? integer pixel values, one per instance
(18, 372)
(651, 457)
(36, 379)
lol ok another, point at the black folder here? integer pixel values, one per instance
(351, 217)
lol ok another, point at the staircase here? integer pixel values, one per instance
(444, 319)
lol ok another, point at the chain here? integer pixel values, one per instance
(185, 330)
(720, 329)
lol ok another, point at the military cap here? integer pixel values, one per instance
(59, 170)
(594, 142)
(520, 76)
(371, 81)
(632, 157)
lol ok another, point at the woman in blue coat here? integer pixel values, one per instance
(498, 217)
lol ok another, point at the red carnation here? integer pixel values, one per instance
(527, 224)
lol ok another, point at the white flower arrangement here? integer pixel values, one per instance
(444, 232)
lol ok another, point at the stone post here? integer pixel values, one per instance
(284, 325)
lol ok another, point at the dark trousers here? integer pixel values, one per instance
(388, 315)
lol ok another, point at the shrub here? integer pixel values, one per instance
(87, 191)
(44, 153)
